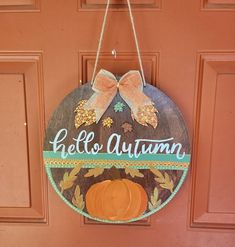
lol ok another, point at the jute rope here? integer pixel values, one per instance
(102, 36)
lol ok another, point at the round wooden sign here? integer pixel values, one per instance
(116, 151)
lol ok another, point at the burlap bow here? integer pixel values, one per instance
(106, 86)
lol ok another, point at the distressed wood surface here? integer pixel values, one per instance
(171, 124)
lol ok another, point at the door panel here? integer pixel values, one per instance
(124, 62)
(19, 5)
(218, 4)
(118, 5)
(47, 49)
(22, 189)
(214, 189)
(12, 89)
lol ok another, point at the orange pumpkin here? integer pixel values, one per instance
(115, 200)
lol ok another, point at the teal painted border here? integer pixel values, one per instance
(48, 170)
(105, 156)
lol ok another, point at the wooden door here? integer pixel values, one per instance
(47, 48)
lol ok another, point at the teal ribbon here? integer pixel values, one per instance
(106, 156)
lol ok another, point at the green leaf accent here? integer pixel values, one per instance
(118, 107)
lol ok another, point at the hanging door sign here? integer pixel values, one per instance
(116, 151)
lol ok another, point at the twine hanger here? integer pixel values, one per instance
(135, 38)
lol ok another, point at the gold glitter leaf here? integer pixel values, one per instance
(84, 116)
(146, 115)
(107, 122)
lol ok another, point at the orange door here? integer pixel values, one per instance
(47, 48)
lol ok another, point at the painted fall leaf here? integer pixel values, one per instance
(69, 178)
(127, 127)
(67, 182)
(94, 172)
(77, 199)
(133, 172)
(164, 180)
(154, 201)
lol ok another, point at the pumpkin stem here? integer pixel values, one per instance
(115, 173)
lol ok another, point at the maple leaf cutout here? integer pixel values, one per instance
(127, 127)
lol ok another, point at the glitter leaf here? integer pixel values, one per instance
(146, 115)
(84, 116)
(107, 122)
(118, 107)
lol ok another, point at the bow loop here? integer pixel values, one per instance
(104, 82)
(132, 79)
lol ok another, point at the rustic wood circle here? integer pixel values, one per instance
(171, 124)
